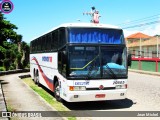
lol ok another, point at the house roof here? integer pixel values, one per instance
(138, 35)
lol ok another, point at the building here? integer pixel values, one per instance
(142, 45)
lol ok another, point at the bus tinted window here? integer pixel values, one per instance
(62, 40)
(62, 58)
(48, 42)
(39, 44)
(43, 43)
(54, 42)
(96, 35)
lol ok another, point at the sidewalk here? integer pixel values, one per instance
(20, 97)
(145, 72)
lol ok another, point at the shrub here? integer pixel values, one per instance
(2, 69)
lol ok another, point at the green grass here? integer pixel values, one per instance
(10, 108)
(48, 98)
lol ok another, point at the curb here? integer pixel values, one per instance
(144, 72)
(13, 71)
(2, 104)
(26, 76)
(3, 107)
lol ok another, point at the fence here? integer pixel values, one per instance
(147, 64)
(145, 53)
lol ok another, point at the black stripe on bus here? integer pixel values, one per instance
(105, 88)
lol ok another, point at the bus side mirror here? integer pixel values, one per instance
(129, 60)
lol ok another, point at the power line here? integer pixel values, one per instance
(144, 24)
(140, 20)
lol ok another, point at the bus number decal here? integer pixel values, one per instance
(118, 82)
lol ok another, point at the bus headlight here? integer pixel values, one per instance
(77, 88)
(121, 86)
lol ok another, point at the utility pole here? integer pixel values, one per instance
(94, 15)
(157, 46)
(140, 47)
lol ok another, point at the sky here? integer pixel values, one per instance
(35, 17)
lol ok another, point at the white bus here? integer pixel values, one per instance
(81, 62)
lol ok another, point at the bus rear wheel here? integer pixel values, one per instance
(57, 92)
(36, 78)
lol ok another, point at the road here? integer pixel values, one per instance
(143, 95)
(22, 98)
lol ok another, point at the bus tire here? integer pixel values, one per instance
(57, 92)
(35, 76)
(37, 79)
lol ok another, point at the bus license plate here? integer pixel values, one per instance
(100, 96)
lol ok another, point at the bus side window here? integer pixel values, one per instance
(39, 45)
(56, 40)
(48, 42)
(36, 46)
(61, 37)
(40, 42)
(62, 62)
(43, 43)
(54, 43)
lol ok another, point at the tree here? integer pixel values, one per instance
(25, 54)
(6, 30)
(12, 55)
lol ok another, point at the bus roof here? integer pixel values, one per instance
(89, 25)
(83, 25)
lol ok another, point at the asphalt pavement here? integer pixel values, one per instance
(15, 92)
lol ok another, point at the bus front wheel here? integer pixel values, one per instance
(57, 92)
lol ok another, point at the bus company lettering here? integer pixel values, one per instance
(81, 83)
(46, 58)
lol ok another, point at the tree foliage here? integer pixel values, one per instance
(13, 51)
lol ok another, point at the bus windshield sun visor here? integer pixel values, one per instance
(104, 36)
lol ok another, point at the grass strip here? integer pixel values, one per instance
(48, 97)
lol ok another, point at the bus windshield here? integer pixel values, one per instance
(114, 62)
(96, 35)
(97, 62)
(83, 61)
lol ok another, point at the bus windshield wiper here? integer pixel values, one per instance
(92, 68)
(111, 71)
(90, 71)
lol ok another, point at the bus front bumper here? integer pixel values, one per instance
(100, 95)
